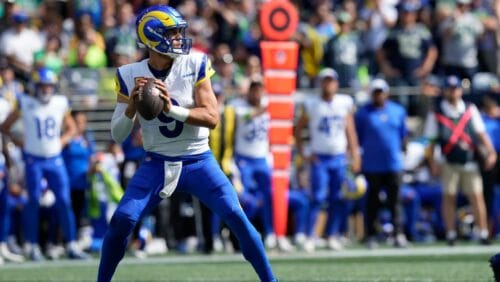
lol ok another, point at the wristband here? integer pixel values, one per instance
(178, 113)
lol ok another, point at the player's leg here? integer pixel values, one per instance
(58, 182)
(298, 203)
(372, 207)
(319, 190)
(337, 206)
(207, 182)
(5, 215)
(138, 197)
(33, 179)
(263, 179)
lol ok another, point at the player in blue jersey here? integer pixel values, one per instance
(43, 116)
(178, 157)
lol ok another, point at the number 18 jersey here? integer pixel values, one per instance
(43, 124)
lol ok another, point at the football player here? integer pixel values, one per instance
(251, 149)
(178, 157)
(332, 135)
(44, 115)
(5, 207)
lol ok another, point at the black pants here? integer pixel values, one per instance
(78, 203)
(490, 179)
(377, 182)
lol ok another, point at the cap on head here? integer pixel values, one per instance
(464, 2)
(409, 6)
(452, 81)
(20, 17)
(328, 73)
(379, 84)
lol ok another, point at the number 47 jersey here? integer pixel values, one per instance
(43, 124)
(165, 135)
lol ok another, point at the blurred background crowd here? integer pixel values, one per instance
(412, 44)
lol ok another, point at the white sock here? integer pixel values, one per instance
(450, 235)
(484, 234)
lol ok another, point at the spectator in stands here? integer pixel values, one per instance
(458, 128)
(487, 44)
(491, 118)
(382, 132)
(78, 155)
(19, 44)
(310, 54)
(408, 54)
(86, 48)
(459, 33)
(379, 16)
(51, 56)
(226, 17)
(122, 38)
(343, 50)
(323, 20)
(10, 87)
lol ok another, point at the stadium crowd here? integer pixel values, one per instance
(441, 48)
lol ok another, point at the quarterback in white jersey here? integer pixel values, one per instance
(332, 132)
(178, 158)
(43, 117)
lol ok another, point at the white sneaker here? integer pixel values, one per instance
(8, 255)
(54, 251)
(270, 241)
(300, 240)
(334, 244)
(284, 244)
(310, 245)
(217, 245)
(401, 241)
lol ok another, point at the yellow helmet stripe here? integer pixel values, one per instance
(164, 18)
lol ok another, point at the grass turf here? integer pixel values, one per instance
(464, 267)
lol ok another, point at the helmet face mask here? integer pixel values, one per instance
(162, 29)
(44, 84)
(43, 92)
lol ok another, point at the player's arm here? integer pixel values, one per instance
(69, 129)
(352, 142)
(124, 114)
(228, 135)
(7, 125)
(205, 112)
(299, 127)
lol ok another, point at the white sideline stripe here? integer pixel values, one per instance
(218, 258)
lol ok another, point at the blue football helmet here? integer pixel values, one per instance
(153, 25)
(354, 186)
(42, 78)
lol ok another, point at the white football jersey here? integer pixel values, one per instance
(327, 122)
(165, 135)
(43, 124)
(251, 134)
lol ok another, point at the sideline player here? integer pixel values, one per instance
(44, 116)
(178, 157)
(333, 134)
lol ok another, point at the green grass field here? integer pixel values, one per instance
(469, 263)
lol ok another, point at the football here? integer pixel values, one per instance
(148, 102)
